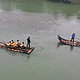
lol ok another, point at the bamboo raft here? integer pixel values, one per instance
(69, 42)
(26, 50)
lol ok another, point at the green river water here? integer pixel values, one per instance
(42, 21)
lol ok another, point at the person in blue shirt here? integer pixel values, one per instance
(73, 36)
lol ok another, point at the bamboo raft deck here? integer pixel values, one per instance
(68, 42)
(26, 50)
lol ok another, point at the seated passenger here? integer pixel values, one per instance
(13, 45)
(8, 44)
(12, 41)
(17, 43)
(22, 45)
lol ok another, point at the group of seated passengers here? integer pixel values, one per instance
(14, 45)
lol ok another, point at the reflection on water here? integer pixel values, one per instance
(13, 53)
(71, 48)
(59, 44)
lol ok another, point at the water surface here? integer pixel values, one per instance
(42, 21)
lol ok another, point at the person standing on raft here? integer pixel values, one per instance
(73, 36)
(28, 42)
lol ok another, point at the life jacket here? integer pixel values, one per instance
(8, 44)
(13, 44)
(17, 42)
(22, 45)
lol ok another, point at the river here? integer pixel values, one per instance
(42, 21)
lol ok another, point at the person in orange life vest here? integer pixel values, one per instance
(14, 44)
(12, 41)
(22, 45)
(8, 44)
(17, 43)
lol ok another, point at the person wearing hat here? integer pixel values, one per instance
(28, 42)
(73, 36)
